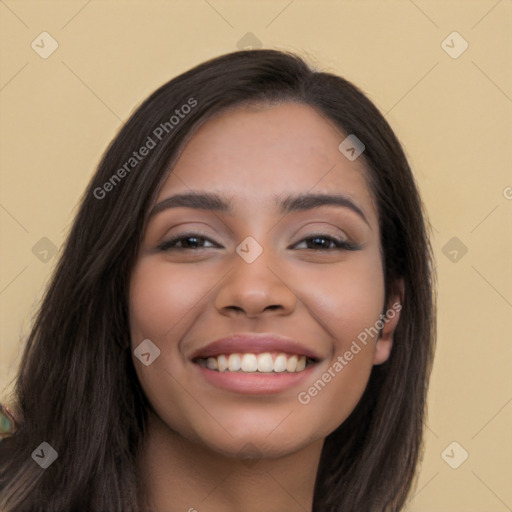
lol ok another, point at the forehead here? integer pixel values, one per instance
(254, 154)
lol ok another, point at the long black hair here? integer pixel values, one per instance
(77, 389)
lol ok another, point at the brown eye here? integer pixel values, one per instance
(189, 241)
(323, 242)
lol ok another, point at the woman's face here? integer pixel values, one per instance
(268, 265)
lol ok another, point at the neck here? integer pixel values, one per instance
(179, 475)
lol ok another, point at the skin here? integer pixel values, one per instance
(184, 299)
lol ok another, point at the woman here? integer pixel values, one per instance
(243, 315)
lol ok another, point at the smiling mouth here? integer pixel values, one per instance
(263, 363)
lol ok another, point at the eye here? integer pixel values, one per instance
(322, 242)
(191, 241)
(195, 241)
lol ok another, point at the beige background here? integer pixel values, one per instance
(453, 115)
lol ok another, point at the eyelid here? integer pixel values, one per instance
(187, 234)
(342, 243)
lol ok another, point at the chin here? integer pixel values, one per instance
(253, 448)
(246, 441)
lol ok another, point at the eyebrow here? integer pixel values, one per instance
(288, 204)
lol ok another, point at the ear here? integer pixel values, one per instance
(390, 321)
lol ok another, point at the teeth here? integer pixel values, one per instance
(234, 363)
(251, 363)
(211, 363)
(301, 364)
(222, 363)
(280, 363)
(291, 364)
(265, 363)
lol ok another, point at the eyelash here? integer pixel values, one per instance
(340, 244)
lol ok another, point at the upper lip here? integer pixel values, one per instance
(255, 344)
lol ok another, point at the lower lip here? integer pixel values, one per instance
(254, 383)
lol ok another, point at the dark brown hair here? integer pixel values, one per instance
(77, 389)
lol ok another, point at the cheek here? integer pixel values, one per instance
(162, 308)
(159, 299)
(337, 390)
(348, 299)
(348, 303)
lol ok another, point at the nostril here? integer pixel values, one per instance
(238, 309)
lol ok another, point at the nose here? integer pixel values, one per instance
(258, 288)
